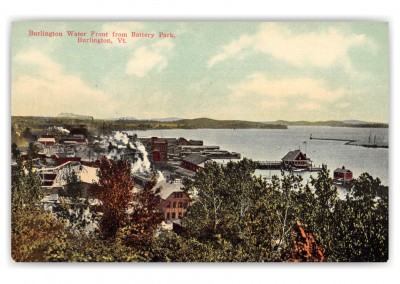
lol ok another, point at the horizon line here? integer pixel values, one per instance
(178, 118)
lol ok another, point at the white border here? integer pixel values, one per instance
(234, 10)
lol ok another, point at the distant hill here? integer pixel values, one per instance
(333, 123)
(197, 123)
(125, 118)
(166, 119)
(71, 115)
(225, 124)
(354, 122)
(149, 119)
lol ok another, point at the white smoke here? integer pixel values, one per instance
(160, 176)
(142, 165)
(120, 141)
(113, 155)
(121, 137)
(61, 130)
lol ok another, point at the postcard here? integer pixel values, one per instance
(200, 141)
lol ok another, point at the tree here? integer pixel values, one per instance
(144, 218)
(25, 182)
(305, 248)
(322, 220)
(114, 190)
(206, 217)
(75, 207)
(233, 207)
(362, 222)
(34, 232)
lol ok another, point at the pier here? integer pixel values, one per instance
(354, 142)
(266, 165)
(332, 139)
(278, 165)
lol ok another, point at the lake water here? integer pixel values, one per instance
(273, 144)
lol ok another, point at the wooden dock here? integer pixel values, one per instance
(277, 165)
(266, 165)
(331, 139)
(315, 169)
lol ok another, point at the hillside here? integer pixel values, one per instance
(333, 123)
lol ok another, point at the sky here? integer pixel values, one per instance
(258, 71)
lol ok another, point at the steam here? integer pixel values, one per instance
(160, 176)
(61, 130)
(113, 155)
(142, 165)
(120, 141)
(121, 137)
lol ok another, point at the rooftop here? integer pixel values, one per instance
(291, 155)
(342, 170)
(89, 175)
(46, 139)
(196, 159)
(168, 188)
(65, 155)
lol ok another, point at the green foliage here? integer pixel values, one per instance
(234, 216)
(363, 223)
(37, 236)
(259, 218)
(245, 211)
(171, 247)
(25, 182)
(34, 232)
(143, 220)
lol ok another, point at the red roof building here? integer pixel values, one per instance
(75, 141)
(47, 140)
(62, 158)
(296, 159)
(194, 162)
(343, 174)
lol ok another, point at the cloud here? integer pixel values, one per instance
(344, 105)
(273, 103)
(148, 58)
(308, 106)
(43, 88)
(285, 88)
(320, 49)
(232, 49)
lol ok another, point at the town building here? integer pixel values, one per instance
(62, 158)
(58, 176)
(75, 140)
(174, 201)
(159, 148)
(47, 140)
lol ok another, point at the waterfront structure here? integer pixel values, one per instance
(342, 174)
(296, 159)
(194, 162)
(159, 148)
(174, 201)
(184, 142)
